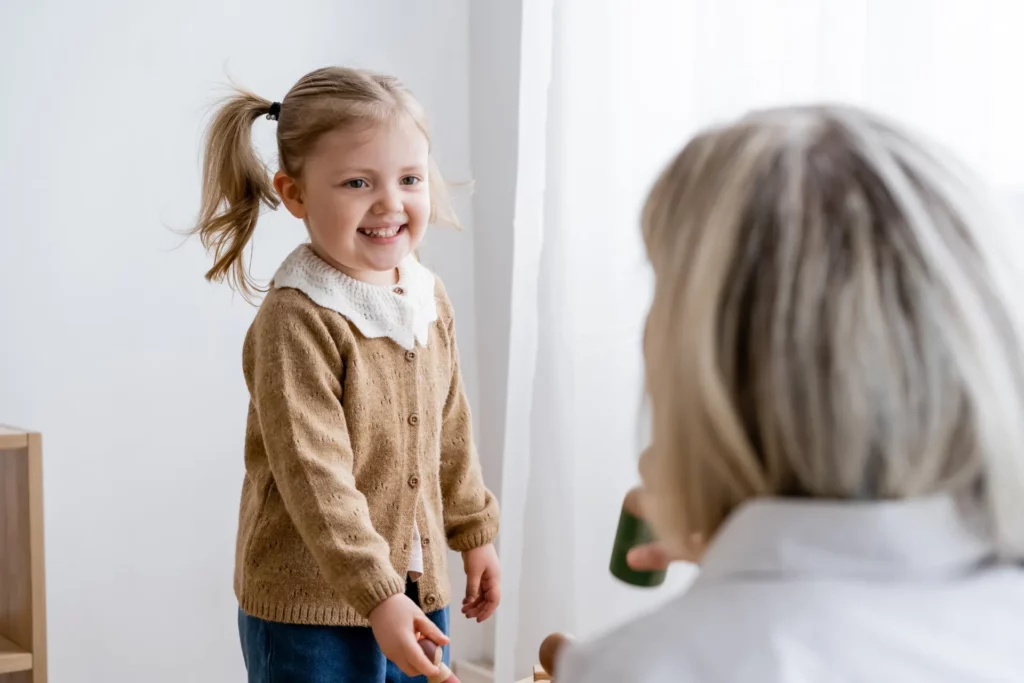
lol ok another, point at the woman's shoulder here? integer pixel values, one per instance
(646, 650)
(719, 630)
(705, 634)
(712, 631)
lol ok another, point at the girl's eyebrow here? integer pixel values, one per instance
(356, 171)
(414, 168)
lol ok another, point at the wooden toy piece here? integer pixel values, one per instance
(539, 674)
(549, 650)
(436, 654)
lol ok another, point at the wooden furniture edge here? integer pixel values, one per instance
(37, 554)
(12, 437)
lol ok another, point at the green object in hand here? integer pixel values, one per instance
(632, 532)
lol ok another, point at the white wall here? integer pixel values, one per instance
(112, 344)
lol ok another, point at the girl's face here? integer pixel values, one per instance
(364, 197)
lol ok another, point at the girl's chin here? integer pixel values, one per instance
(385, 261)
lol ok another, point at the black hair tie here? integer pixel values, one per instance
(274, 112)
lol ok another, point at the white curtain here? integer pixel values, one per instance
(609, 91)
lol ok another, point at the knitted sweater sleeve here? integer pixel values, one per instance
(295, 382)
(470, 509)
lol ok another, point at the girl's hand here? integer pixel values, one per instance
(396, 623)
(483, 582)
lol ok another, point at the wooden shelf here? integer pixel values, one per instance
(12, 438)
(22, 573)
(13, 658)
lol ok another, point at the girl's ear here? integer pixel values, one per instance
(291, 194)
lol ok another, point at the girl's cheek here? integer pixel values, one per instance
(420, 212)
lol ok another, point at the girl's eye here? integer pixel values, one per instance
(356, 184)
(410, 180)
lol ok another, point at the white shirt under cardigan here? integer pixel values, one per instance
(817, 592)
(402, 312)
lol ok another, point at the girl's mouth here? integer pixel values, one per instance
(383, 234)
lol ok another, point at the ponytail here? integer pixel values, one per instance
(236, 183)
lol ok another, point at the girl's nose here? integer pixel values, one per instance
(388, 202)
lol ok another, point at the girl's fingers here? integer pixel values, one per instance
(430, 631)
(493, 600)
(487, 611)
(492, 591)
(416, 662)
(473, 585)
(483, 608)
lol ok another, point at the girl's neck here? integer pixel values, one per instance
(383, 278)
(371, 277)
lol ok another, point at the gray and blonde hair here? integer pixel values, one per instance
(237, 185)
(835, 316)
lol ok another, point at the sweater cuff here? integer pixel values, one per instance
(475, 538)
(367, 597)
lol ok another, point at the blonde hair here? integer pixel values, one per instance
(237, 185)
(834, 316)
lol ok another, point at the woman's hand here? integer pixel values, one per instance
(650, 557)
(396, 623)
(483, 582)
(654, 557)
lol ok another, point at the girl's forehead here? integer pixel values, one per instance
(395, 137)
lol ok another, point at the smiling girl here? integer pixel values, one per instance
(360, 464)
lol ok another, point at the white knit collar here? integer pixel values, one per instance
(402, 312)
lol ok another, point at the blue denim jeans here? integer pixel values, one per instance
(291, 653)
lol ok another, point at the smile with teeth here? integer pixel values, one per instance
(388, 231)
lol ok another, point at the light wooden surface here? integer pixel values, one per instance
(12, 438)
(13, 658)
(22, 574)
(539, 674)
